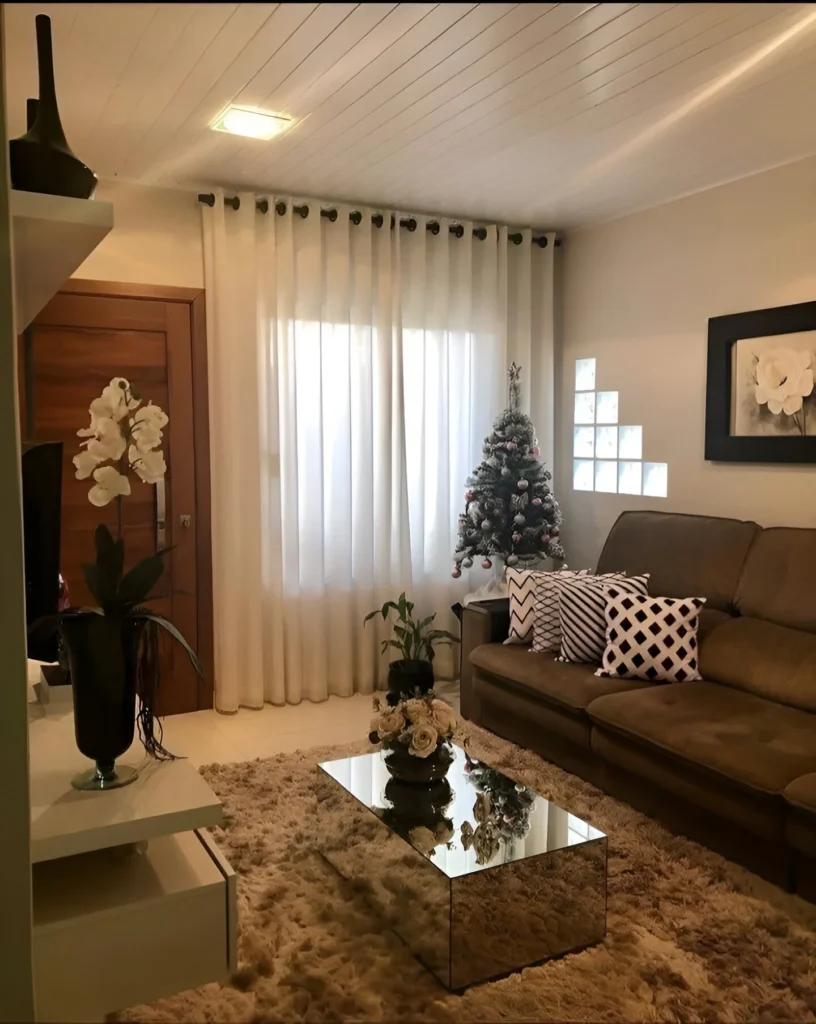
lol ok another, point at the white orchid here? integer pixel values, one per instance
(110, 484)
(120, 424)
(149, 466)
(784, 378)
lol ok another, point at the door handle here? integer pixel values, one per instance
(161, 515)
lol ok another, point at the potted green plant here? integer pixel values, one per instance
(113, 650)
(413, 672)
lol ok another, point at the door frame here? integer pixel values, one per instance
(195, 300)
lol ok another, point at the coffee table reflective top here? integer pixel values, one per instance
(479, 875)
(516, 822)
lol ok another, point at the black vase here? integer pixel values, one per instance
(418, 771)
(41, 160)
(406, 677)
(103, 656)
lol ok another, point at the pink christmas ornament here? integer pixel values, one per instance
(456, 573)
(511, 446)
(469, 496)
(535, 451)
(516, 538)
(537, 501)
(545, 538)
(486, 564)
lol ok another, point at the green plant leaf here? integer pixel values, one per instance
(371, 615)
(99, 585)
(141, 579)
(440, 634)
(149, 616)
(110, 556)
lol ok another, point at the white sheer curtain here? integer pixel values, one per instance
(354, 371)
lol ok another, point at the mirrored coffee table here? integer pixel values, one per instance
(478, 876)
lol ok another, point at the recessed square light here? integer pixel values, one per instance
(253, 124)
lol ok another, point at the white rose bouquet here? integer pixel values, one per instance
(417, 726)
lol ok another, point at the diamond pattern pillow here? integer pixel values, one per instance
(582, 613)
(546, 622)
(521, 588)
(652, 638)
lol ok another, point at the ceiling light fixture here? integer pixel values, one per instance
(253, 124)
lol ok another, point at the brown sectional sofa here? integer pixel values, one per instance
(730, 761)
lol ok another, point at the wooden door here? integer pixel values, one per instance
(86, 335)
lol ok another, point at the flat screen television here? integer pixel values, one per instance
(42, 503)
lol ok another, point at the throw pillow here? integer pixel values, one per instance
(546, 621)
(652, 638)
(521, 589)
(582, 613)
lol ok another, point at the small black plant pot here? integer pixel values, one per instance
(41, 160)
(406, 677)
(102, 655)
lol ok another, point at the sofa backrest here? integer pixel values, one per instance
(778, 581)
(686, 556)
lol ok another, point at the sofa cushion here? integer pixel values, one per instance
(755, 743)
(777, 582)
(700, 555)
(801, 823)
(537, 689)
(574, 686)
(762, 658)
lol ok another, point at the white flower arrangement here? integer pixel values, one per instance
(783, 379)
(418, 725)
(126, 435)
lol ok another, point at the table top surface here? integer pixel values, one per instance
(166, 798)
(475, 819)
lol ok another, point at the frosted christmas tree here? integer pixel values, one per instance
(510, 513)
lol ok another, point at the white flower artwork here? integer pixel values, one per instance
(773, 386)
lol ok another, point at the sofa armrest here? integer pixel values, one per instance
(483, 622)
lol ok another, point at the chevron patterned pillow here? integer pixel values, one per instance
(521, 588)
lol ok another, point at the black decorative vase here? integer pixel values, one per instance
(406, 677)
(41, 160)
(418, 771)
(103, 656)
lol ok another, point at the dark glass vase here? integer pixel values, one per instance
(406, 677)
(411, 770)
(41, 160)
(103, 656)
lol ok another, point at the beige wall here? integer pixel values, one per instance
(156, 238)
(638, 295)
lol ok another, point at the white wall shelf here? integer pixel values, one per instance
(53, 235)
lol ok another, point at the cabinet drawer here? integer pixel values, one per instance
(128, 925)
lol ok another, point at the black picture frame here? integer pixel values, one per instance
(723, 333)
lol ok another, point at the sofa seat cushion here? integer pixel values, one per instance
(514, 683)
(800, 827)
(573, 686)
(754, 743)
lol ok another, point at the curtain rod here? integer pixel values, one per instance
(262, 206)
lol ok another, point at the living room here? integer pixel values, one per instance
(344, 316)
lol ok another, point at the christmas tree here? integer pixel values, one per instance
(510, 511)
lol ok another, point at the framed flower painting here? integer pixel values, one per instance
(760, 393)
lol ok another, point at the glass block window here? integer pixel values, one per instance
(584, 374)
(606, 457)
(606, 407)
(584, 406)
(630, 445)
(583, 475)
(583, 442)
(656, 479)
(606, 476)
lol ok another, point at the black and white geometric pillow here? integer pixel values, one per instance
(546, 622)
(652, 638)
(582, 613)
(521, 588)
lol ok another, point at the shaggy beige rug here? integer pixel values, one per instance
(691, 937)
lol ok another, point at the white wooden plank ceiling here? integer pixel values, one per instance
(545, 114)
